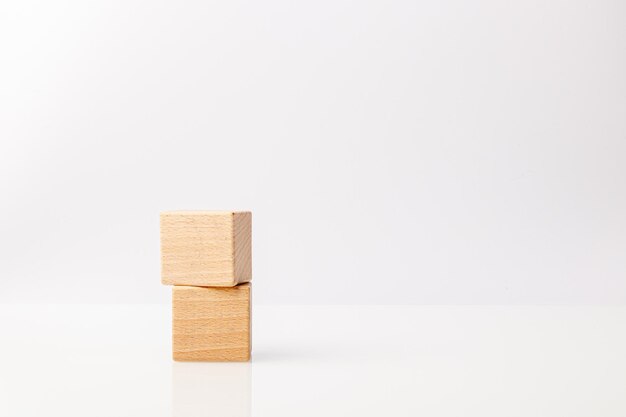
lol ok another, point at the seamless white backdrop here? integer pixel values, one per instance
(391, 151)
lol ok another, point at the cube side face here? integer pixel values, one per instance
(242, 241)
(211, 324)
(197, 248)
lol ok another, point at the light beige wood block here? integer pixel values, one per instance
(206, 248)
(211, 324)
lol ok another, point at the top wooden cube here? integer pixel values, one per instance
(206, 248)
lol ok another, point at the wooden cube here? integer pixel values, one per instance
(211, 324)
(206, 248)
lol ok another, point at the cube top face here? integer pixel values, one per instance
(206, 248)
(211, 324)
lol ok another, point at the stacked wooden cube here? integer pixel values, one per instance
(207, 257)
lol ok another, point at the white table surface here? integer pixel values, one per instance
(108, 360)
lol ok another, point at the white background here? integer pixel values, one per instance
(434, 152)
(365, 361)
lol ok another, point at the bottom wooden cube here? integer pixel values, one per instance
(211, 324)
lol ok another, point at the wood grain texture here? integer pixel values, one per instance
(206, 248)
(211, 324)
(242, 240)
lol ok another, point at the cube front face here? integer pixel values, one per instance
(206, 248)
(211, 324)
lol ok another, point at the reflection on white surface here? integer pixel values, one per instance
(211, 389)
(103, 361)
